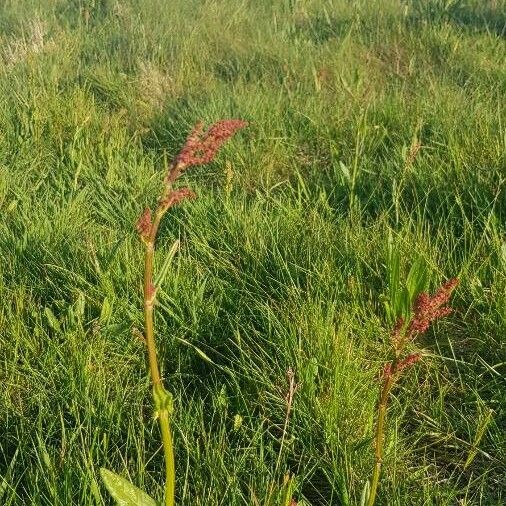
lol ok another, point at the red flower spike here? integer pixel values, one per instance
(191, 145)
(431, 307)
(408, 361)
(143, 224)
(201, 147)
(176, 196)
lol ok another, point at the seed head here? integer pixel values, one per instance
(176, 196)
(408, 361)
(431, 307)
(201, 147)
(143, 224)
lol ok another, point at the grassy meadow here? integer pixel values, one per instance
(376, 145)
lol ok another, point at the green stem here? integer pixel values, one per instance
(380, 437)
(148, 315)
(168, 450)
(161, 397)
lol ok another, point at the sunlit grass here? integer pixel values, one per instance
(373, 125)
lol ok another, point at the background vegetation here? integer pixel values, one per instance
(377, 142)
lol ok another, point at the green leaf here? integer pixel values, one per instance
(364, 497)
(163, 400)
(394, 305)
(106, 311)
(201, 353)
(160, 277)
(52, 320)
(124, 492)
(344, 496)
(503, 254)
(416, 280)
(289, 486)
(345, 172)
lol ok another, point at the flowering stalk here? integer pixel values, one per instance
(200, 147)
(427, 308)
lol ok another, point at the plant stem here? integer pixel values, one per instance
(168, 449)
(162, 411)
(148, 315)
(292, 388)
(199, 148)
(380, 437)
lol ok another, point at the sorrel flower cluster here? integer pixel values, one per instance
(200, 147)
(426, 309)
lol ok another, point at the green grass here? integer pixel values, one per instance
(285, 256)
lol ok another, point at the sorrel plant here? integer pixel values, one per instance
(200, 148)
(426, 310)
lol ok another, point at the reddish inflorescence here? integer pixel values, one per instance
(395, 368)
(176, 196)
(143, 224)
(411, 359)
(201, 147)
(429, 308)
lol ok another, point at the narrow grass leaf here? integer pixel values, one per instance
(159, 279)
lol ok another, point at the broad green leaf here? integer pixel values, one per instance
(80, 305)
(124, 492)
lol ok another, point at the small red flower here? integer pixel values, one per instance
(431, 307)
(143, 224)
(201, 147)
(408, 361)
(176, 196)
